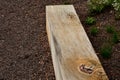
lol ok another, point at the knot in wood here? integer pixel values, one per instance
(86, 69)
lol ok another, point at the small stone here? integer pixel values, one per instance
(2, 15)
(97, 53)
(40, 25)
(111, 11)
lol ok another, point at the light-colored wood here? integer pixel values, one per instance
(72, 53)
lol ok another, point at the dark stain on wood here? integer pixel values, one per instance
(71, 16)
(57, 48)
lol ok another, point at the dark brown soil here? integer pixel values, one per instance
(24, 48)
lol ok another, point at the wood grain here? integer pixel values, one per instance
(72, 53)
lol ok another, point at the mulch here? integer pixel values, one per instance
(24, 48)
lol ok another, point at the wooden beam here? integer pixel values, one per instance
(72, 53)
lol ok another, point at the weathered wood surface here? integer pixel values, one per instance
(73, 55)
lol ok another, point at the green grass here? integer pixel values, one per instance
(94, 31)
(110, 29)
(90, 21)
(115, 35)
(115, 38)
(106, 50)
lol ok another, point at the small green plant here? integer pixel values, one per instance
(98, 5)
(94, 31)
(96, 8)
(115, 38)
(116, 5)
(90, 20)
(110, 29)
(117, 16)
(106, 50)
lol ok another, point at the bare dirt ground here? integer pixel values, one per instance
(24, 48)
